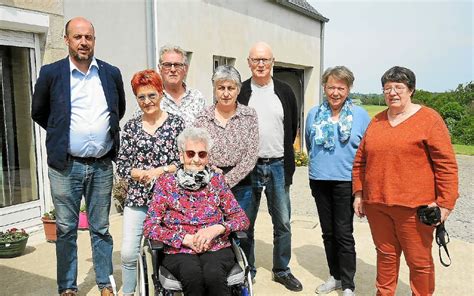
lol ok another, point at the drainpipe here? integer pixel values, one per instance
(151, 45)
(321, 59)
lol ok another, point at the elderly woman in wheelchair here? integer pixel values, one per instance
(193, 212)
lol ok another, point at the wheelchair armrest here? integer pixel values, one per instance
(238, 235)
(155, 245)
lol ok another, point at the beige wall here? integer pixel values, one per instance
(229, 28)
(205, 28)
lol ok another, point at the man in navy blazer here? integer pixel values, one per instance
(79, 101)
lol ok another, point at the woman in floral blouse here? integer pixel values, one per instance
(148, 150)
(234, 131)
(193, 212)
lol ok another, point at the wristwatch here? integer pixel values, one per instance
(166, 169)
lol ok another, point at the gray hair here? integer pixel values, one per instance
(226, 73)
(195, 134)
(401, 75)
(173, 48)
(339, 73)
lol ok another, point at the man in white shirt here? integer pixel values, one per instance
(275, 104)
(79, 101)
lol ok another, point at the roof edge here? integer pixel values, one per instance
(314, 15)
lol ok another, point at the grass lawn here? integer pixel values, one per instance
(458, 149)
(463, 149)
(373, 109)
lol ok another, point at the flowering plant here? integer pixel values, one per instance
(13, 235)
(301, 159)
(119, 193)
(51, 215)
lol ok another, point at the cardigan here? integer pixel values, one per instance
(334, 165)
(290, 121)
(411, 164)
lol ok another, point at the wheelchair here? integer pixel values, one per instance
(155, 280)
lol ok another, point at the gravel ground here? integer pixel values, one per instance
(459, 224)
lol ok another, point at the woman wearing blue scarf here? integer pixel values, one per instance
(333, 132)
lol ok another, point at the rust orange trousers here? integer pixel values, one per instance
(396, 229)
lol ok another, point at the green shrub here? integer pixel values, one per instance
(301, 159)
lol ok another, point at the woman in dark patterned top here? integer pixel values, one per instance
(148, 150)
(193, 212)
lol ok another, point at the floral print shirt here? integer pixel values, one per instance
(191, 104)
(175, 212)
(141, 150)
(235, 144)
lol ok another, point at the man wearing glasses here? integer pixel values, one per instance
(275, 104)
(179, 99)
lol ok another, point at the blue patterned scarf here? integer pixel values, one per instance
(324, 128)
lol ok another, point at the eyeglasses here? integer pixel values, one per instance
(151, 97)
(397, 88)
(332, 89)
(191, 154)
(167, 66)
(257, 61)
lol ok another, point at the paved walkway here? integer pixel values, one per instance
(34, 273)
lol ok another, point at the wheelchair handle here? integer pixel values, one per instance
(155, 245)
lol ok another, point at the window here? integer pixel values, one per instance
(17, 155)
(220, 60)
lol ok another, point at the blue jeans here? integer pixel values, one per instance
(93, 180)
(271, 176)
(133, 218)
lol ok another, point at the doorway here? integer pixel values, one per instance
(295, 79)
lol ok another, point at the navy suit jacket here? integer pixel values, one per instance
(51, 106)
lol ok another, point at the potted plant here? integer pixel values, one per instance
(13, 242)
(49, 225)
(83, 222)
(119, 193)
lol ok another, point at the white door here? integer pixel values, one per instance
(21, 199)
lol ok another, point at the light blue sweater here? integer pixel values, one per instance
(335, 165)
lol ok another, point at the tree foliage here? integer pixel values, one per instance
(455, 106)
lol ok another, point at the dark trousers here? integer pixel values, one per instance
(202, 274)
(334, 202)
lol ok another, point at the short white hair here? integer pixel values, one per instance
(195, 134)
(173, 48)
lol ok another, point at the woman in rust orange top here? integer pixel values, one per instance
(404, 161)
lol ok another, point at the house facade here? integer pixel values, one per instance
(129, 35)
(30, 36)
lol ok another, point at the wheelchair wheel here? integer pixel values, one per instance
(142, 275)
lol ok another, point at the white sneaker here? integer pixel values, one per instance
(330, 285)
(348, 292)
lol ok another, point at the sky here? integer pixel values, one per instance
(432, 38)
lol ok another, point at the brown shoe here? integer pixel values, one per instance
(107, 291)
(69, 292)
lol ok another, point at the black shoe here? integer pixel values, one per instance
(289, 281)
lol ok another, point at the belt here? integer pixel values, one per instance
(88, 159)
(268, 160)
